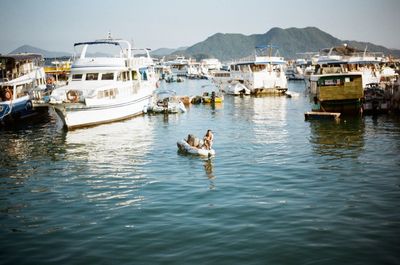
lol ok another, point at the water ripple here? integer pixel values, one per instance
(279, 191)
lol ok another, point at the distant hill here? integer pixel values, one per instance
(231, 46)
(290, 41)
(51, 54)
(166, 51)
(45, 53)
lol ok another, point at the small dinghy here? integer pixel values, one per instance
(194, 146)
(166, 101)
(184, 147)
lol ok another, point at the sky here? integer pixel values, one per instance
(56, 25)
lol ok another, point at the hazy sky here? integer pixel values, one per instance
(55, 25)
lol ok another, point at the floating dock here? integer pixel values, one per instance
(314, 115)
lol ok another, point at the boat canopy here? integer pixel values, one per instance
(116, 43)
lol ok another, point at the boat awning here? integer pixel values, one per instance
(97, 42)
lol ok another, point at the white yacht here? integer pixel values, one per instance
(261, 74)
(105, 89)
(22, 81)
(179, 66)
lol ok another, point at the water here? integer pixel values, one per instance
(280, 190)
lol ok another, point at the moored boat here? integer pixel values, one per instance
(20, 76)
(339, 92)
(165, 102)
(375, 100)
(184, 147)
(105, 89)
(262, 73)
(237, 89)
(212, 97)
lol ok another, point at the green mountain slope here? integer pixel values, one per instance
(290, 41)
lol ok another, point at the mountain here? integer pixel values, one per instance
(290, 41)
(45, 53)
(231, 46)
(166, 51)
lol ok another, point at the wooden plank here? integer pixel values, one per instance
(314, 115)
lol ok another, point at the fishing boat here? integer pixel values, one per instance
(104, 89)
(212, 97)
(375, 100)
(22, 81)
(262, 73)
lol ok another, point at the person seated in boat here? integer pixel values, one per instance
(316, 106)
(208, 139)
(213, 97)
(193, 141)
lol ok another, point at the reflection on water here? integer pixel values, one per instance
(113, 156)
(270, 120)
(338, 139)
(109, 141)
(209, 170)
(124, 190)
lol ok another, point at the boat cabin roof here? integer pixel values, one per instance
(21, 57)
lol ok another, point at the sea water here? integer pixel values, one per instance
(280, 190)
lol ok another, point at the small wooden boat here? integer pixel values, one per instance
(315, 115)
(212, 98)
(184, 147)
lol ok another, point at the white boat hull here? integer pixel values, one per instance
(79, 115)
(237, 90)
(184, 147)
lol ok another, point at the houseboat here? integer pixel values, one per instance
(338, 92)
(262, 73)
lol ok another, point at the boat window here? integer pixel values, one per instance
(77, 77)
(125, 76)
(119, 76)
(108, 93)
(143, 73)
(107, 76)
(332, 82)
(92, 76)
(134, 75)
(246, 68)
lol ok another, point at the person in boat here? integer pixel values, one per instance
(213, 97)
(316, 106)
(208, 139)
(193, 141)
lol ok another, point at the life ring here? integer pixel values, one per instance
(73, 96)
(7, 94)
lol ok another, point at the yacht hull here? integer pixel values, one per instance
(79, 115)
